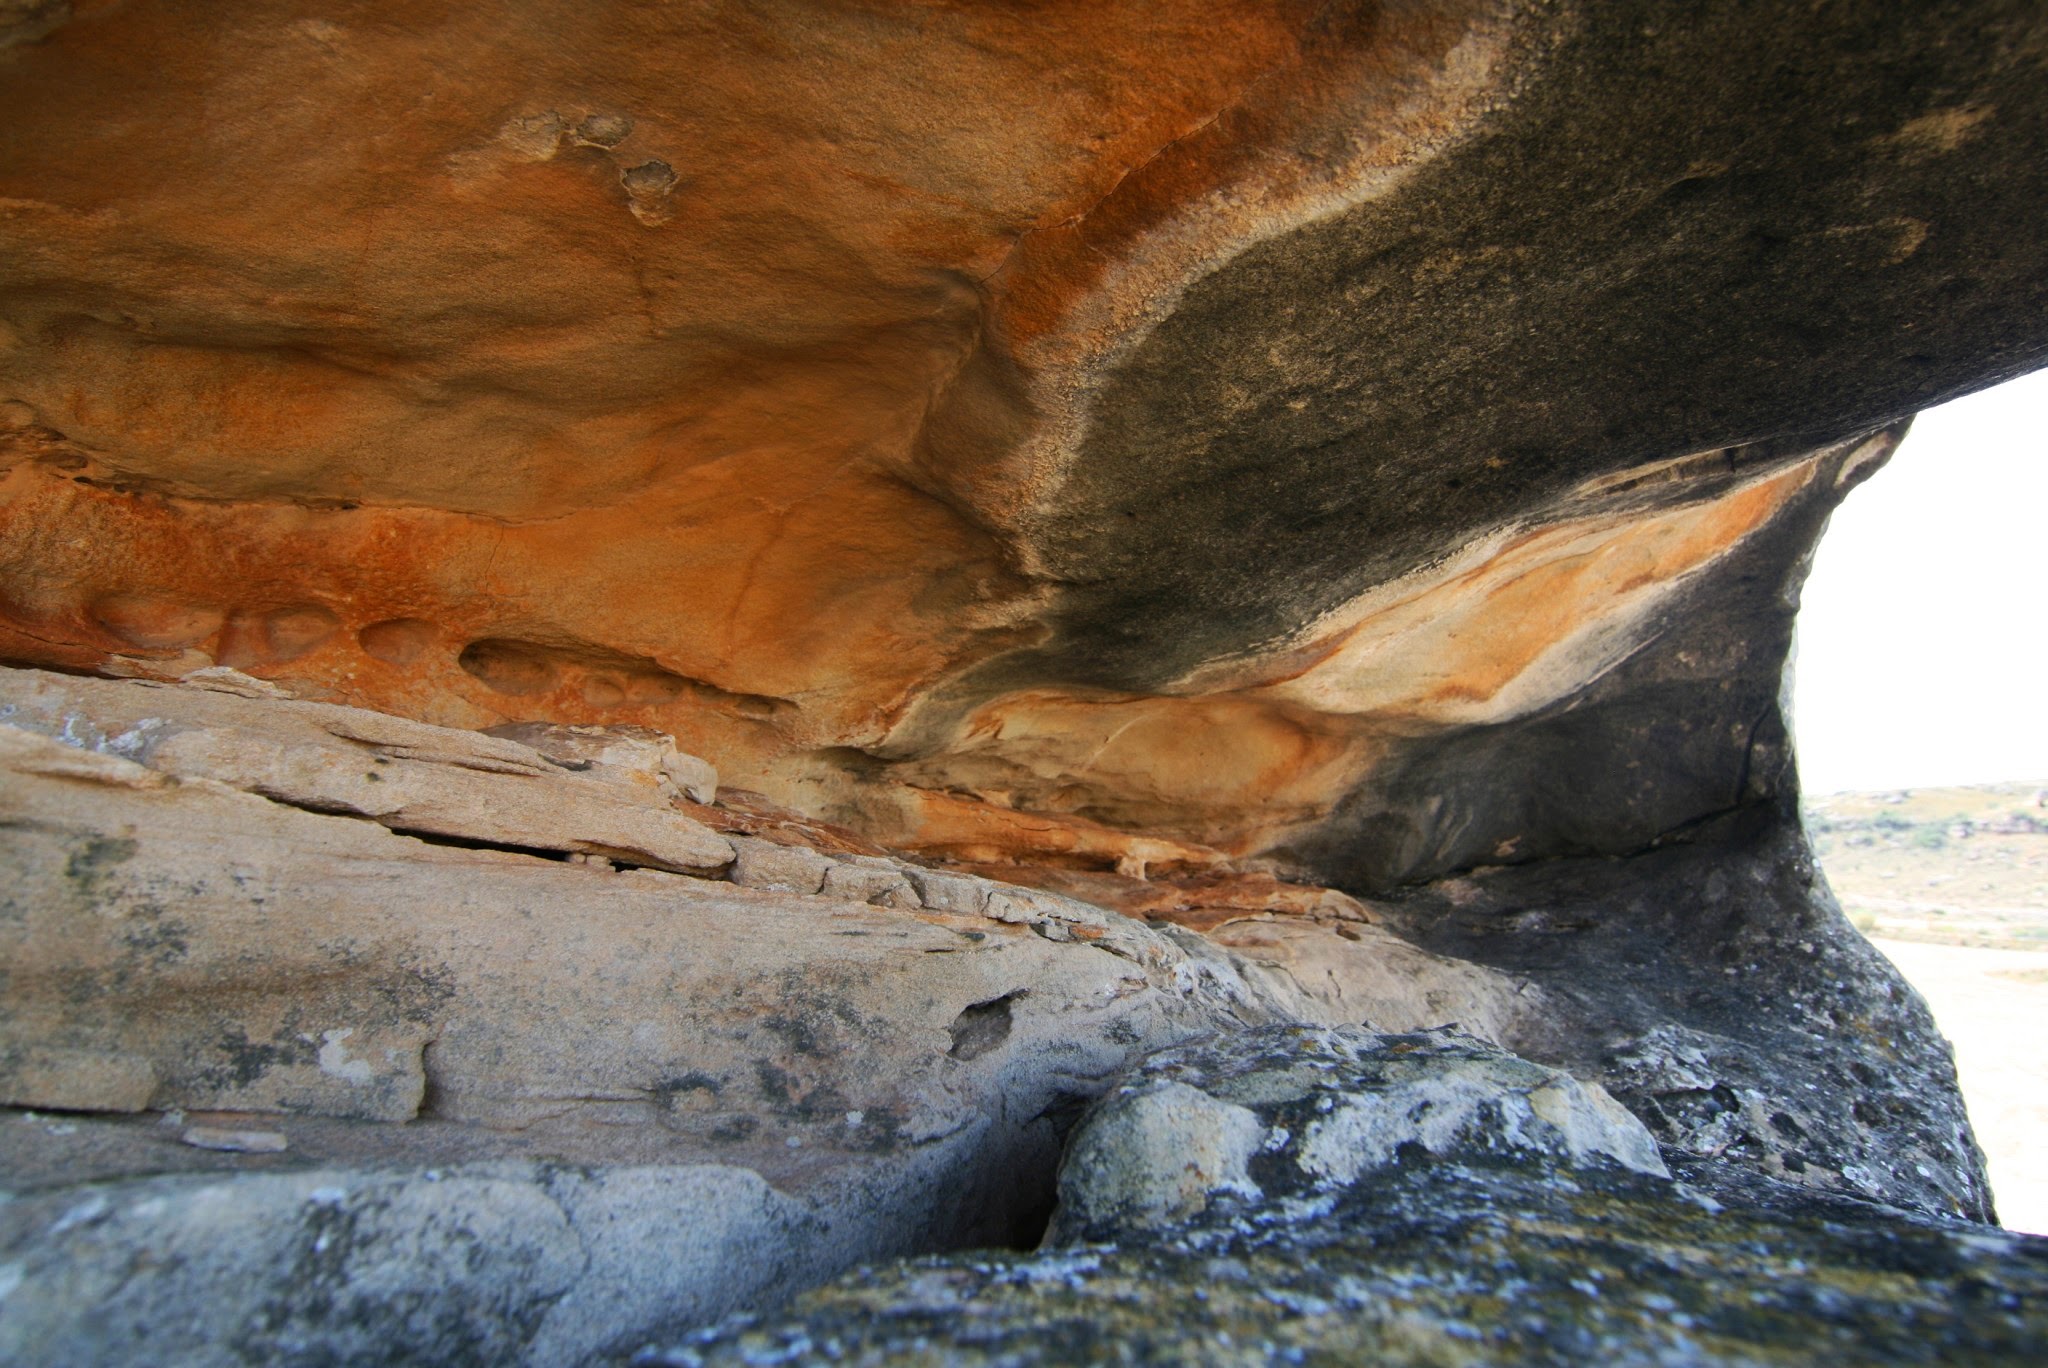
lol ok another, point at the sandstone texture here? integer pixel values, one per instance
(1451, 1264)
(237, 984)
(642, 646)
(310, 1050)
(1413, 1199)
(1345, 436)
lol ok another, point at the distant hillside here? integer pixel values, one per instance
(1961, 866)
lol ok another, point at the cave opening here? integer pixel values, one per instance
(1028, 684)
(1924, 751)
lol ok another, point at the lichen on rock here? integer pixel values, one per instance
(1289, 1113)
(745, 605)
(1414, 1233)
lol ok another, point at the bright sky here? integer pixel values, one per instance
(1923, 632)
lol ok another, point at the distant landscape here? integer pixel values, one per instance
(1951, 866)
(1952, 885)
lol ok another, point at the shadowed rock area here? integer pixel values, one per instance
(641, 647)
(1063, 435)
(1529, 1222)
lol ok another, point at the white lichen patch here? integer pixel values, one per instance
(336, 1061)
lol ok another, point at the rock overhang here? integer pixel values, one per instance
(1191, 459)
(1168, 430)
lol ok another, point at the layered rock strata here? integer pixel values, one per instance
(728, 610)
(314, 1002)
(282, 974)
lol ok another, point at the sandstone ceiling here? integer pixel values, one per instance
(1358, 439)
(1329, 481)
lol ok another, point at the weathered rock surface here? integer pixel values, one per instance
(753, 577)
(1716, 989)
(1347, 974)
(260, 954)
(1294, 1113)
(1171, 431)
(502, 1262)
(670, 1096)
(1529, 1221)
(213, 948)
(427, 780)
(1453, 1264)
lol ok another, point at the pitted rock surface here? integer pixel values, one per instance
(1715, 988)
(1482, 1210)
(1289, 1113)
(1450, 1263)
(476, 1263)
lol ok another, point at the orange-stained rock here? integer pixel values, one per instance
(1144, 435)
(871, 490)
(1201, 902)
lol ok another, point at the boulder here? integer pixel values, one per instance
(1292, 1194)
(1434, 1263)
(1289, 1113)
